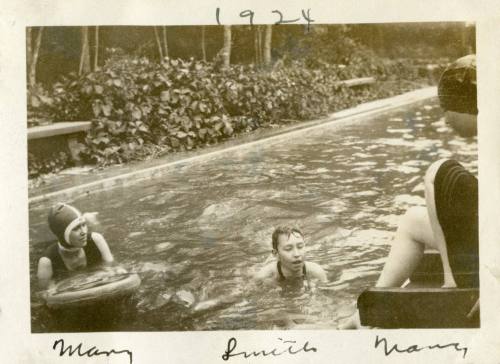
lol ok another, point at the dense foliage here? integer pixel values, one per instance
(141, 108)
(53, 163)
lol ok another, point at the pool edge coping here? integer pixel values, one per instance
(360, 111)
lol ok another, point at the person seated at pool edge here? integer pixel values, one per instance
(289, 248)
(448, 224)
(77, 246)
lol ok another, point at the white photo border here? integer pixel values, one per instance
(19, 345)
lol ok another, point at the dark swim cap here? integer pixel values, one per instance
(457, 89)
(62, 219)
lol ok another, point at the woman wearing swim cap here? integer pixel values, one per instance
(77, 247)
(457, 91)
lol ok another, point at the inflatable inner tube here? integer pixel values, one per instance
(89, 289)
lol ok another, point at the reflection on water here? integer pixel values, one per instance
(196, 234)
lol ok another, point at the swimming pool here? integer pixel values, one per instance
(203, 228)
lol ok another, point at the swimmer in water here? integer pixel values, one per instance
(77, 247)
(289, 248)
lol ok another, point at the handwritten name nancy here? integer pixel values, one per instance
(93, 351)
(285, 347)
(415, 348)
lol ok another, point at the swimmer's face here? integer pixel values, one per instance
(78, 236)
(291, 251)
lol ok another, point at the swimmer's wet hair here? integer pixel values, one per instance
(284, 230)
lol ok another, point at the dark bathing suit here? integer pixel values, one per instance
(293, 282)
(456, 197)
(92, 253)
(283, 278)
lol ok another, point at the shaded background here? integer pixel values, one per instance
(61, 46)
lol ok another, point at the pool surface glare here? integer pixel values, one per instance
(196, 234)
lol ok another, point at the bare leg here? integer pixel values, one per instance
(413, 235)
(439, 239)
(418, 228)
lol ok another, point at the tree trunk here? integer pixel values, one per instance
(165, 43)
(259, 42)
(32, 55)
(96, 53)
(226, 49)
(267, 45)
(381, 39)
(157, 37)
(256, 45)
(85, 55)
(466, 44)
(29, 51)
(203, 50)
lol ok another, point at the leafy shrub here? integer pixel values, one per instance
(40, 105)
(55, 163)
(335, 46)
(140, 108)
(181, 105)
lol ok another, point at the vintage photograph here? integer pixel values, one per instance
(252, 177)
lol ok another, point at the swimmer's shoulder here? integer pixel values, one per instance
(269, 271)
(314, 270)
(102, 246)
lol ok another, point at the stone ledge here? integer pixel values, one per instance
(61, 128)
(362, 81)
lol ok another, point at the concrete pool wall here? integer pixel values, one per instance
(124, 175)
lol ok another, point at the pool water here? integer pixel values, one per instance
(196, 234)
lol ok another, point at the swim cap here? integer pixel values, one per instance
(62, 219)
(457, 88)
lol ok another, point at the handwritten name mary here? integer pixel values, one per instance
(93, 351)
